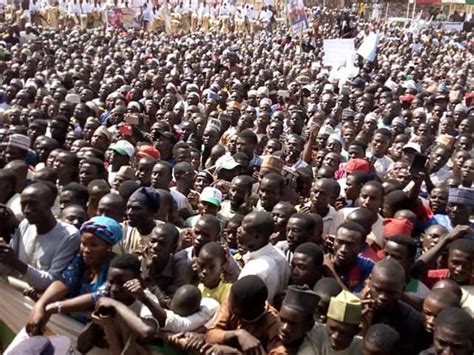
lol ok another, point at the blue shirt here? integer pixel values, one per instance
(73, 276)
(360, 271)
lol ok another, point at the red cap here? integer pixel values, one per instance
(407, 98)
(357, 164)
(393, 226)
(148, 151)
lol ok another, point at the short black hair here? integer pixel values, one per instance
(307, 221)
(384, 132)
(465, 245)
(375, 184)
(249, 290)
(407, 242)
(327, 287)
(171, 231)
(312, 250)
(216, 250)
(98, 163)
(249, 135)
(381, 336)
(359, 177)
(212, 220)
(355, 227)
(332, 184)
(275, 177)
(128, 262)
(444, 296)
(182, 167)
(78, 191)
(456, 320)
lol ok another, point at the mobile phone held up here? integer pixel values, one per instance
(418, 164)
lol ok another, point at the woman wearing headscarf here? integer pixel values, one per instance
(80, 282)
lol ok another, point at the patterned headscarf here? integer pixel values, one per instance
(104, 228)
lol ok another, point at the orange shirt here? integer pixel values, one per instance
(266, 329)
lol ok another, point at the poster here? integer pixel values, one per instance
(297, 16)
(125, 18)
(338, 51)
(368, 48)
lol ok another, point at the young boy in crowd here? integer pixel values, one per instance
(211, 265)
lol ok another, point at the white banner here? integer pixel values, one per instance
(337, 51)
(368, 48)
(448, 26)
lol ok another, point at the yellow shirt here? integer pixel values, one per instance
(219, 293)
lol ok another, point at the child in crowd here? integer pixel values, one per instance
(211, 265)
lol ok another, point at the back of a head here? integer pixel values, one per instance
(444, 296)
(127, 262)
(456, 320)
(397, 200)
(359, 177)
(363, 217)
(450, 285)
(186, 300)
(382, 338)
(181, 168)
(249, 290)
(327, 287)
(98, 184)
(406, 214)
(17, 166)
(46, 174)
(262, 223)
(127, 188)
(245, 181)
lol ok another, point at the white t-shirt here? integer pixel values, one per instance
(204, 317)
(46, 255)
(14, 203)
(270, 265)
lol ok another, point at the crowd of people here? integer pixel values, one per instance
(230, 194)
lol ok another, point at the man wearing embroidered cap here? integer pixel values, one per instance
(297, 320)
(339, 336)
(460, 204)
(17, 147)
